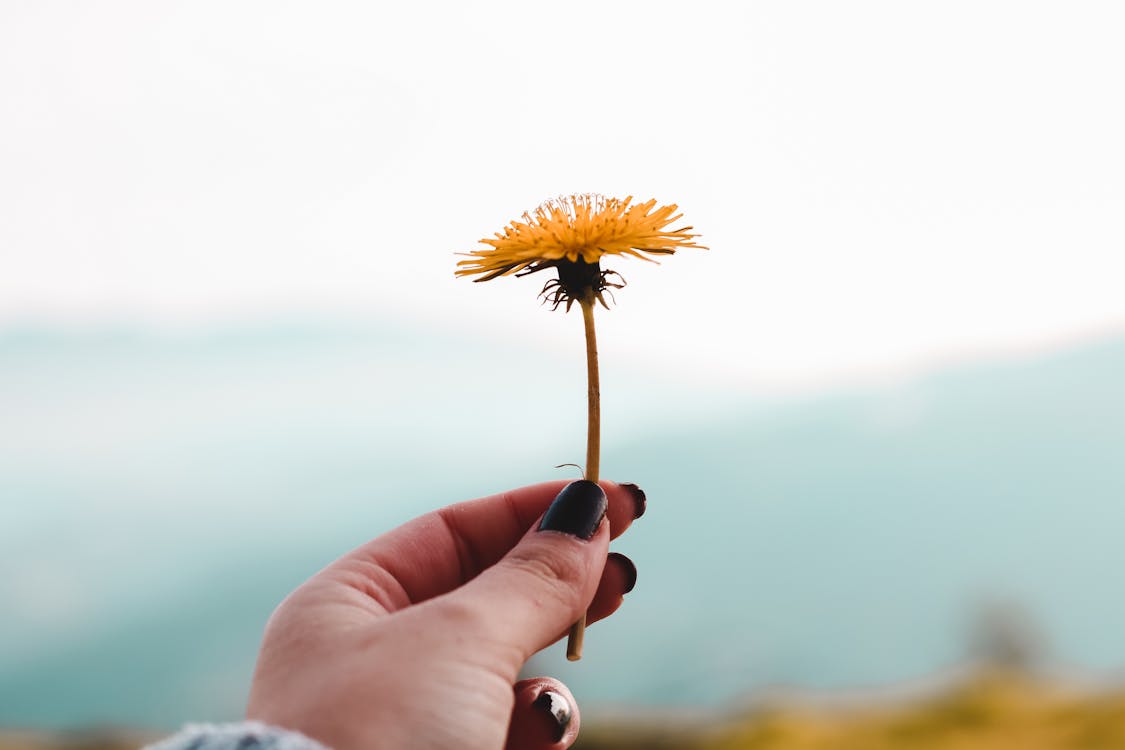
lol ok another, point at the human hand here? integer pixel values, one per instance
(415, 640)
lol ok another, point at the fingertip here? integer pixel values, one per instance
(640, 499)
(618, 578)
(578, 510)
(544, 716)
(627, 569)
(627, 502)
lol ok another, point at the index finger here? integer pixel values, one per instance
(438, 552)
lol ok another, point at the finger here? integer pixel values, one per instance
(545, 716)
(618, 579)
(438, 552)
(543, 584)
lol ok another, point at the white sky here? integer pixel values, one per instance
(883, 184)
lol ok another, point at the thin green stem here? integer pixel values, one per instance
(593, 442)
(593, 393)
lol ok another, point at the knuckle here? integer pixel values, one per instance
(562, 575)
(458, 613)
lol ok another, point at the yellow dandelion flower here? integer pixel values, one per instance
(573, 233)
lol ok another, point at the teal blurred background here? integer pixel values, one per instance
(164, 493)
(880, 423)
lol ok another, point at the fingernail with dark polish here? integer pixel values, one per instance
(640, 502)
(630, 570)
(557, 708)
(578, 510)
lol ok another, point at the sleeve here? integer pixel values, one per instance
(247, 735)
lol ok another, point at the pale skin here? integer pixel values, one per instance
(416, 639)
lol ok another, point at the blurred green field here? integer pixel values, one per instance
(986, 713)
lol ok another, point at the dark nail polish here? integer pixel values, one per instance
(578, 510)
(556, 707)
(640, 502)
(630, 570)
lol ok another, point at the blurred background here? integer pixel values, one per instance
(880, 423)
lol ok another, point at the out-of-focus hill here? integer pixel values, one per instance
(101, 739)
(859, 538)
(162, 495)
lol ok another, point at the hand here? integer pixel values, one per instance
(415, 640)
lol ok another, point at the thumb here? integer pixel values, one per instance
(546, 582)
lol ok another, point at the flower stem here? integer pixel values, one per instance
(593, 441)
(593, 393)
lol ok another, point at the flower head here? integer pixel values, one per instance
(572, 233)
